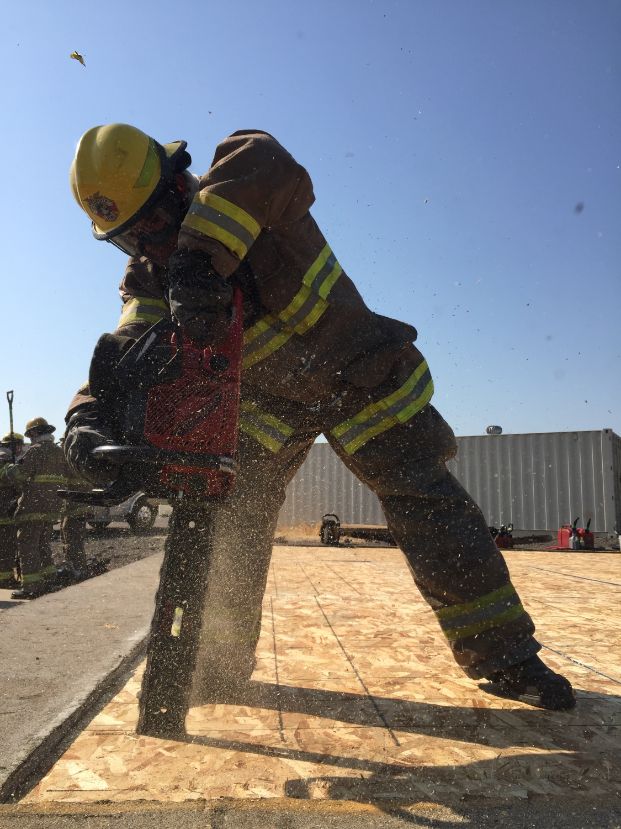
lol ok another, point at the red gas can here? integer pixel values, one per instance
(564, 534)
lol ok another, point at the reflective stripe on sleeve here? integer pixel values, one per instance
(266, 429)
(142, 309)
(7, 522)
(305, 309)
(37, 517)
(392, 410)
(489, 611)
(50, 479)
(223, 221)
(33, 578)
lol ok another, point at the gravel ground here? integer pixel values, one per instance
(118, 545)
(317, 815)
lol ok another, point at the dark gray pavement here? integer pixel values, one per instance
(315, 815)
(56, 650)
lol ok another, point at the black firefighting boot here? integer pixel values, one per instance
(27, 593)
(533, 682)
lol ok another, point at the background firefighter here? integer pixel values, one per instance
(37, 475)
(73, 515)
(316, 360)
(11, 447)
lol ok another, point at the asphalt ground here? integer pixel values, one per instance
(60, 650)
(314, 815)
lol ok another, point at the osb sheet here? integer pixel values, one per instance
(355, 696)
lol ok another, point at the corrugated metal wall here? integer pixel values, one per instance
(540, 481)
(324, 484)
(616, 467)
(535, 481)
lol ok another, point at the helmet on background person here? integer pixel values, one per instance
(126, 182)
(11, 437)
(11, 446)
(38, 426)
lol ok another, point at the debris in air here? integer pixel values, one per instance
(77, 56)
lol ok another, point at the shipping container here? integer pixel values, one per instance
(536, 481)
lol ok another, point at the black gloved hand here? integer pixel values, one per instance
(200, 299)
(80, 439)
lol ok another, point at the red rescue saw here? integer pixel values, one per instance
(176, 405)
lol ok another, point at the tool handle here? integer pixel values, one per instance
(9, 397)
(153, 455)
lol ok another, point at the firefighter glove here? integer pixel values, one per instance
(200, 299)
(80, 440)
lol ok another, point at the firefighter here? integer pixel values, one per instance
(37, 475)
(316, 360)
(73, 515)
(11, 448)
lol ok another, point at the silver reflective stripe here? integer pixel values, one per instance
(392, 411)
(482, 614)
(222, 220)
(264, 428)
(493, 610)
(305, 309)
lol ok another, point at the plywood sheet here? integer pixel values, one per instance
(369, 704)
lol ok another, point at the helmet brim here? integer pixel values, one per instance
(40, 430)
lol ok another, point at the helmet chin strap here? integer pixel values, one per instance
(191, 189)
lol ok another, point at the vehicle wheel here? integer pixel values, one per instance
(142, 516)
(98, 526)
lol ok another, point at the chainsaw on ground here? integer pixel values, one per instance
(176, 405)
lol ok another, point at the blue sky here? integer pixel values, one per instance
(466, 158)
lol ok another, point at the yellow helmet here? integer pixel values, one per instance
(11, 437)
(119, 173)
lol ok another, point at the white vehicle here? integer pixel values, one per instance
(139, 511)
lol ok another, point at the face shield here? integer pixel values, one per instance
(155, 234)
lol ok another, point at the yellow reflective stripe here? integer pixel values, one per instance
(36, 517)
(478, 627)
(262, 438)
(50, 479)
(219, 234)
(277, 341)
(142, 309)
(6, 522)
(488, 611)
(267, 418)
(175, 628)
(450, 612)
(266, 429)
(264, 324)
(385, 403)
(6, 574)
(390, 411)
(32, 578)
(146, 176)
(305, 309)
(416, 405)
(228, 208)
(389, 422)
(224, 221)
